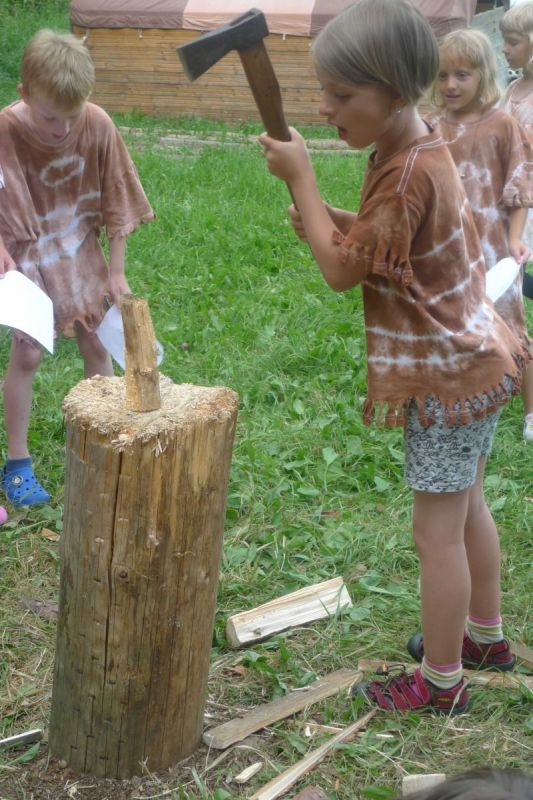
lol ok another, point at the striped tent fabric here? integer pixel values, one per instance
(286, 17)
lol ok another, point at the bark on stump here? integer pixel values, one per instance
(145, 500)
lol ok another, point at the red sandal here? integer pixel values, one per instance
(413, 693)
(495, 656)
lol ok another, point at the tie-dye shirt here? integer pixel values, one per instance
(521, 108)
(54, 201)
(430, 330)
(494, 160)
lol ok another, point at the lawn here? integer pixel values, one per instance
(237, 301)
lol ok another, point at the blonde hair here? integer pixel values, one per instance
(385, 42)
(519, 19)
(471, 47)
(58, 66)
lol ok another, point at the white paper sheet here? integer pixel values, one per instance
(26, 307)
(111, 334)
(501, 277)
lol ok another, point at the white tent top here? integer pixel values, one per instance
(295, 18)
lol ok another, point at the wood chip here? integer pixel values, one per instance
(413, 783)
(311, 793)
(52, 536)
(249, 772)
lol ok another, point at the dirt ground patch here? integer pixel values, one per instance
(46, 778)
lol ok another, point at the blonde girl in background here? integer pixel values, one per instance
(440, 361)
(492, 154)
(517, 30)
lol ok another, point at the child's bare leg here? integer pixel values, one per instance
(527, 396)
(23, 363)
(527, 389)
(483, 552)
(18, 480)
(438, 528)
(96, 359)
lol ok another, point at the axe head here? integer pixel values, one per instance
(242, 33)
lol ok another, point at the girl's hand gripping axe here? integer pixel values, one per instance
(244, 34)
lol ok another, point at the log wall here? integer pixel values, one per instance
(140, 70)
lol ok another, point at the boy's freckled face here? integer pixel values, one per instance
(51, 124)
(516, 50)
(361, 113)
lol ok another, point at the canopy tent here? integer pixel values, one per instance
(133, 44)
(294, 18)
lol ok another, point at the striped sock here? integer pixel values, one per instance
(484, 631)
(445, 676)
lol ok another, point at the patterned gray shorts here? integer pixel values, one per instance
(444, 458)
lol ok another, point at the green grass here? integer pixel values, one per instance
(238, 301)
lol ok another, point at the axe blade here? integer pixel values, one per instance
(242, 33)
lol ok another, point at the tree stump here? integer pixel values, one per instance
(145, 497)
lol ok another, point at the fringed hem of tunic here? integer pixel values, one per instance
(387, 256)
(125, 230)
(513, 198)
(461, 410)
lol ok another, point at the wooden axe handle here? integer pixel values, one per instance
(265, 89)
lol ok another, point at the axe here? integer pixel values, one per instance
(244, 34)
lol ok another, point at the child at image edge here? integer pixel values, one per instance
(516, 26)
(440, 360)
(6, 264)
(494, 158)
(66, 175)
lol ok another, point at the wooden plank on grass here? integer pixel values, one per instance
(283, 782)
(29, 737)
(507, 680)
(297, 608)
(523, 653)
(415, 783)
(238, 728)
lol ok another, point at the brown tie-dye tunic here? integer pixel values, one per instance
(430, 330)
(522, 110)
(494, 159)
(54, 201)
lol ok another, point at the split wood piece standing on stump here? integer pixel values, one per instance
(141, 373)
(145, 498)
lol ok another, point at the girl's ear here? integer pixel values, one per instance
(397, 102)
(22, 93)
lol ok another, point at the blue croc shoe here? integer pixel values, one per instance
(20, 485)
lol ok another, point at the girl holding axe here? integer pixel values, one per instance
(441, 362)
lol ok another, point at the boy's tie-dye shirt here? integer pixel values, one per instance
(521, 108)
(54, 201)
(494, 160)
(430, 329)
